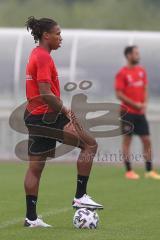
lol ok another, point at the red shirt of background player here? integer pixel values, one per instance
(40, 68)
(132, 82)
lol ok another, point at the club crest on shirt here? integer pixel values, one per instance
(141, 74)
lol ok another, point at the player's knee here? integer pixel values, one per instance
(92, 147)
(36, 169)
(146, 141)
(95, 146)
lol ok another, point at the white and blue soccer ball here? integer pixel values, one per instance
(85, 218)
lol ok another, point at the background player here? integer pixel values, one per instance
(43, 95)
(131, 87)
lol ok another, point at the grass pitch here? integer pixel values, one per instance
(131, 208)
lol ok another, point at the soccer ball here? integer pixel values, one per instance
(85, 218)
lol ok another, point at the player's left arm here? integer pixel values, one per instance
(146, 95)
(146, 92)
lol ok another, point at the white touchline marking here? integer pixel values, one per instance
(45, 214)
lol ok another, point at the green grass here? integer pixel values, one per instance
(131, 207)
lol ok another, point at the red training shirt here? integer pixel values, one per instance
(132, 83)
(40, 68)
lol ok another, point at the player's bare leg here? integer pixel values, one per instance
(88, 146)
(33, 174)
(130, 174)
(31, 185)
(126, 151)
(147, 153)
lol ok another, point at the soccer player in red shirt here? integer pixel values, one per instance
(131, 85)
(45, 110)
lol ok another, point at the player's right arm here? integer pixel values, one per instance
(44, 84)
(122, 97)
(52, 101)
(119, 88)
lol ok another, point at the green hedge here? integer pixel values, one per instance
(92, 14)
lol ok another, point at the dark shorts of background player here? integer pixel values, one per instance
(41, 132)
(134, 124)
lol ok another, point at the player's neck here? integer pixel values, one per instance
(45, 46)
(130, 65)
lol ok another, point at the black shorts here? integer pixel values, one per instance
(134, 124)
(44, 131)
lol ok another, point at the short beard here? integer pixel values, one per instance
(135, 62)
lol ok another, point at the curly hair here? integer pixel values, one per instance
(39, 26)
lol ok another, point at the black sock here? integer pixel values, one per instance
(31, 202)
(128, 166)
(81, 186)
(148, 166)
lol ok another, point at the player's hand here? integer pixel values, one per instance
(140, 106)
(69, 113)
(144, 107)
(65, 110)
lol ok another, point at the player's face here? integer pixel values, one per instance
(54, 38)
(134, 57)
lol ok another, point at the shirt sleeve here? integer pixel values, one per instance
(120, 81)
(43, 68)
